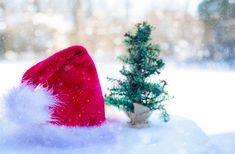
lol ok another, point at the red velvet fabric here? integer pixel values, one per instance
(73, 79)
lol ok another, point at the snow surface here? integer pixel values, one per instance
(206, 97)
(226, 142)
(179, 136)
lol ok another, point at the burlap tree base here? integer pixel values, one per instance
(139, 118)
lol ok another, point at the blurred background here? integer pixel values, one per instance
(187, 30)
(197, 40)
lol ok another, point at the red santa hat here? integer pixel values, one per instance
(70, 77)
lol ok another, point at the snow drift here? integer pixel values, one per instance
(179, 136)
(24, 130)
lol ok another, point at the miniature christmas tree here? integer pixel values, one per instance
(134, 93)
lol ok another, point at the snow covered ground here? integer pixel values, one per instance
(204, 96)
(179, 136)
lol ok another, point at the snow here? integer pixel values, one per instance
(203, 96)
(225, 142)
(179, 136)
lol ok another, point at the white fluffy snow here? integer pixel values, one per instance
(179, 136)
(225, 142)
(204, 97)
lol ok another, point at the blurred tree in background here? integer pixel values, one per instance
(2, 27)
(34, 28)
(218, 17)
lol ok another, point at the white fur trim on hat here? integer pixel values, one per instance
(26, 105)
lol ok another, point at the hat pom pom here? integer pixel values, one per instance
(26, 105)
